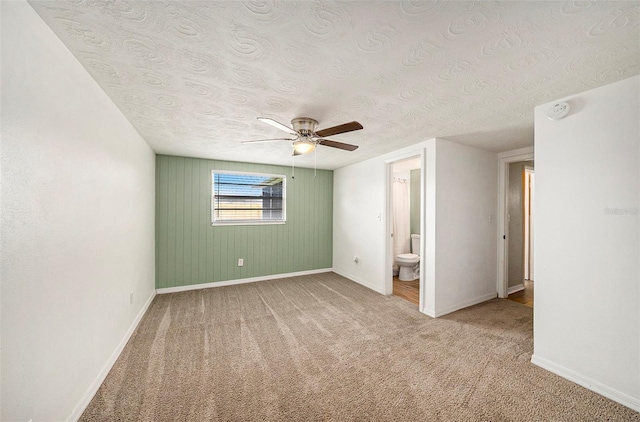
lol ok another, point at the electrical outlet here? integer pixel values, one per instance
(131, 298)
(240, 262)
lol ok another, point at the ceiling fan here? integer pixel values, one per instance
(305, 137)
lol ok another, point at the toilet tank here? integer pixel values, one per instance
(415, 244)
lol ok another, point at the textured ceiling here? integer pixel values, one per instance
(193, 76)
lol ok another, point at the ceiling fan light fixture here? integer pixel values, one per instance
(303, 146)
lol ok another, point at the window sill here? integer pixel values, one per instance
(246, 223)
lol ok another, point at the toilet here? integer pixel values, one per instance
(409, 262)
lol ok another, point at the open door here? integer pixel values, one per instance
(528, 191)
(505, 236)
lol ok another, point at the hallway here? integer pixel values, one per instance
(523, 296)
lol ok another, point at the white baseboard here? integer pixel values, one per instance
(588, 383)
(357, 280)
(429, 312)
(97, 382)
(460, 305)
(515, 289)
(238, 281)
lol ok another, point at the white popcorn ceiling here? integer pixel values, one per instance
(193, 76)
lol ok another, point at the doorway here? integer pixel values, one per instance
(529, 188)
(405, 210)
(520, 239)
(510, 235)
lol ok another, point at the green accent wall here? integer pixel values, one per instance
(189, 250)
(414, 205)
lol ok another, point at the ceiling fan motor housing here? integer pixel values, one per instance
(305, 126)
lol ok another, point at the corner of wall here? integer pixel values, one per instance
(76, 413)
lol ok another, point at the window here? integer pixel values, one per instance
(247, 198)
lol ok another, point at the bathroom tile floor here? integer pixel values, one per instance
(408, 290)
(524, 296)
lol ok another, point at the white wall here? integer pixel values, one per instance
(359, 222)
(77, 225)
(587, 304)
(361, 219)
(466, 207)
(464, 181)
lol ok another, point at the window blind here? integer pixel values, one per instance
(248, 197)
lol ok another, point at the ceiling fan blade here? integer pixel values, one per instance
(278, 125)
(346, 127)
(339, 145)
(266, 140)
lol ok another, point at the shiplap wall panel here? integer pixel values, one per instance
(189, 250)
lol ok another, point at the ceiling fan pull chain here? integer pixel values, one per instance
(315, 162)
(293, 167)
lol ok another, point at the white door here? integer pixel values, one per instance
(528, 223)
(531, 214)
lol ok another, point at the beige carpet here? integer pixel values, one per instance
(324, 348)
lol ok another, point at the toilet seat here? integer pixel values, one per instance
(408, 258)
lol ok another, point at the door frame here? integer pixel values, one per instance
(527, 214)
(502, 235)
(388, 266)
